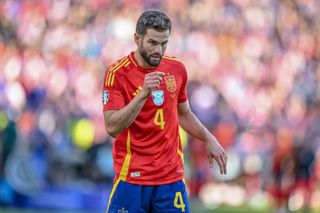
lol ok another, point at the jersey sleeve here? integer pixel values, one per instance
(183, 95)
(112, 94)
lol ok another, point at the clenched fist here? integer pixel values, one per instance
(152, 80)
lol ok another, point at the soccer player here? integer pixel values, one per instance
(144, 101)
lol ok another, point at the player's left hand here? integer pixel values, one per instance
(216, 152)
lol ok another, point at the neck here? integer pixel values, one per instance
(141, 61)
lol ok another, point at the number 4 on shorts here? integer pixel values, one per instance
(178, 201)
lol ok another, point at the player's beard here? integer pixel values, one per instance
(147, 58)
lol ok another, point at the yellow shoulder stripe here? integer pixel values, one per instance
(114, 66)
(170, 58)
(117, 66)
(113, 73)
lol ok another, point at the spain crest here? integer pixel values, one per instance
(170, 83)
(157, 97)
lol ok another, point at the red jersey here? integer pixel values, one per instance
(149, 151)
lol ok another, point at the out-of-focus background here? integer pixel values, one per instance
(254, 81)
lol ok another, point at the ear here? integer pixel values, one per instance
(137, 38)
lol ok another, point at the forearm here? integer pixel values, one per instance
(191, 124)
(121, 119)
(118, 120)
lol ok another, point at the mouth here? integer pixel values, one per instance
(155, 57)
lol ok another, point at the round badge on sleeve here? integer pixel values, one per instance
(105, 97)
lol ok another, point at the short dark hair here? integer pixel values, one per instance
(153, 20)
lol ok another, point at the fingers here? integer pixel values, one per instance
(225, 157)
(157, 73)
(153, 80)
(221, 159)
(154, 75)
(224, 165)
(220, 164)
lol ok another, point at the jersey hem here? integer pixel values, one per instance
(153, 183)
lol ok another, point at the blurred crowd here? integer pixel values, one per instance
(254, 81)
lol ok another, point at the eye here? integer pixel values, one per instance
(164, 43)
(153, 43)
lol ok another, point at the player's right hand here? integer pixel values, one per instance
(152, 80)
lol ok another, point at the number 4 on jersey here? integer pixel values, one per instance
(159, 118)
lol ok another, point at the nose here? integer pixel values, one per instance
(158, 48)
